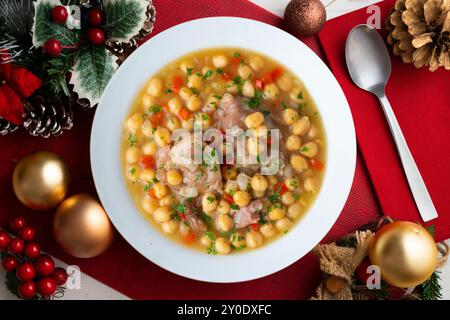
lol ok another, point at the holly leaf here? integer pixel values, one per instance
(124, 18)
(44, 29)
(94, 67)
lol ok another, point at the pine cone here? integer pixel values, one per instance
(420, 32)
(45, 116)
(6, 127)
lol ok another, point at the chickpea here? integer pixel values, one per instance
(238, 241)
(185, 93)
(162, 214)
(147, 129)
(295, 210)
(188, 124)
(194, 103)
(223, 207)
(147, 102)
(202, 120)
(261, 131)
(291, 183)
(231, 187)
(241, 198)
(268, 230)
(298, 163)
(133, 154)
(259, 183)
(284, 82)
(187, 65)
(170, 226)
(312, 132)
(229, 172)
(173, 123)
(135, 122)
(232, 87)
(184, 228)
(283, 225)
(225, 223)
(222, 246)
(195, 81)
(290, 116)
(271, 91)
(209, 202)
(150, 148)
(131, 173)
(248, 90)
(244, 71)
(155, 87)
(211, 104)
(312, 184)
(219, 61)
(254, 120)
(161, 190)
(175, 104)
(162, 136)
(273, 180)
(167, 201)
(256, 62)
(147, 175)
(309, 149)
(296, 95)
(293, 142)
(254, 239)
(301, 126)
(174, 177)
(205, 240)
(287, 198)
(253, 146)
(150, 205)
(258, 194)
(276, 213)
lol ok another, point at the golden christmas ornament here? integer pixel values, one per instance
(40, 180)
(82, 227)
(305, 17)
(420, 32)
(405, 252)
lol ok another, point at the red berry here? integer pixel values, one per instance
(16, 245)
(18, 223)
(59, 14)
(96, 36)
(44, 265)
(60, 276)
(95, 17)
(27, 290)
(9, 263)
(53, 47)
(32, 250)
(27, 233)
(4, 239)
(25, 272)
(46, 286)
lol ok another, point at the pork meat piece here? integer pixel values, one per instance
(247, 215)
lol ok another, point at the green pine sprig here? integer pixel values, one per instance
(431, 289)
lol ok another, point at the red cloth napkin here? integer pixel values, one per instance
(123, 268)
(421, 102)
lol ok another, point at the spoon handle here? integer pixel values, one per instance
(416, 184)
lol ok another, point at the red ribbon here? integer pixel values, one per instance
(16, 83)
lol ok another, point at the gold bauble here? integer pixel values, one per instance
(40, 180)
(405, 252)
(81, 227)
(305, 17)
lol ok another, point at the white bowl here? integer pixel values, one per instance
(124, 88)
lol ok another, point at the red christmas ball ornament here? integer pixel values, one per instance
(95, 17)
(4, 239)
(53, 47)
(60, 276)
(59, 14)
(18, 223)
(27, 233)
(27, 290)
(46, 286)
(25, 272)
(96, 36)
(32, 250)
(16, 245)
(44, 265)
(9, 263)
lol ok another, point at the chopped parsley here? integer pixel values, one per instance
(219, 70)
(189, 71)
(147, 186)
(237, 55)
(234, 206)
(210, 199)
(133, 171)
(300, 95)
(255, 101)
(154, 109)
(275, 197)
(132, 140)
(212, 248)
(195, 91)
(175, 216)
(205, 117)
(258, 159)
(210, 235)
(180, 208)
(300, 106)
(296, 197)
(208, 74)
(283, 105)
(293, 183)
(198, 176)
(265, 113)
(167, 91)
(208, 220)
(155, 180)
(304, 149)
(217, 96)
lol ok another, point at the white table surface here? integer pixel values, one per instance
(93, 289)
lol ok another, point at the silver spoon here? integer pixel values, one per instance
(369, 66)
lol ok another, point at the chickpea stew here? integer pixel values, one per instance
(227, 207)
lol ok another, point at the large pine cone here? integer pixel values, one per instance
(420, 32)
(6, 127)
(46, 117)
